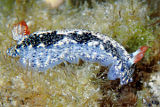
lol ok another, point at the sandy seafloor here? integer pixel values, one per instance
(133, 23)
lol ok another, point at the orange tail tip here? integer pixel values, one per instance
(139, 54)
(19, 30)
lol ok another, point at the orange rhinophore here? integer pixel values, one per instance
(140, 53)
(144, 49)
(19, 30)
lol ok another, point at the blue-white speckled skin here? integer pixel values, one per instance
(43, 59)
(101, 49)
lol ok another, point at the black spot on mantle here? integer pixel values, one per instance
(83, 38)
(45, 38)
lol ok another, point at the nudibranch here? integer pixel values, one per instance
(44, 49)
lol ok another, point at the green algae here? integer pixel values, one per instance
(73, 85)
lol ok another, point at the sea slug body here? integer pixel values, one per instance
(44, 49)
